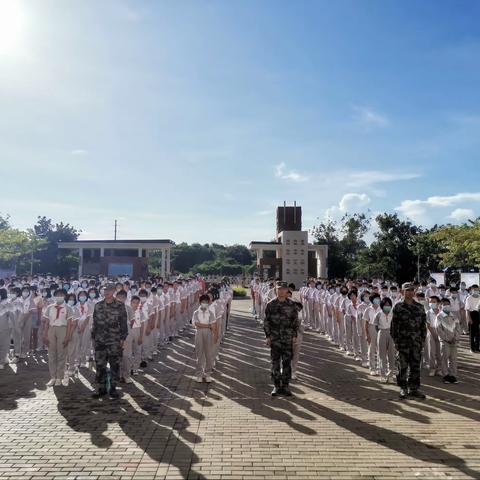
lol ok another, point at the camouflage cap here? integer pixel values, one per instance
(408, 286)
(109, 286)
(282, 285)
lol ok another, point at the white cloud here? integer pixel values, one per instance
(282, 172)
(349, 203)
(368, 118)
(367, 178)
(424, 210)
(79, 152)
(462, 214)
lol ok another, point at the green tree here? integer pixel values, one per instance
(4, 221)
(51, 259)
(391, 254)
(460, 245)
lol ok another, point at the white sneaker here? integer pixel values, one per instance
(431, 373)
(383, 379)
(65, 382)
(51, 383)
(199, 379)
(208, 379)
(58, 382)
(128, 380)
(373, 373)
(294, 376)
(349, 354)
(135, 372)
(365, 364)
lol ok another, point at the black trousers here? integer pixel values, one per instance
(475, 331)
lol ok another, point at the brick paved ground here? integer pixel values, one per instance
(341, 423)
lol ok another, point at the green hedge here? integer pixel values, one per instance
(239, 292)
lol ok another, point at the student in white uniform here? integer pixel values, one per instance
(371, 332)
(361, 331)
(457, 308)
(4, 328)
(15, 312)
(350, 322)
(386, 349)
(206, 335)
(58, 316)
(84, 328)
(472, 308)
(434, 357)
(298, 344)
(73, 338)
(448, 331)
(127, 357)
(23, 325)
(138, 325)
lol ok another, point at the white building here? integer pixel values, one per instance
(290, 257)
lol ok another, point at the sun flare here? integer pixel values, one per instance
(12, 26)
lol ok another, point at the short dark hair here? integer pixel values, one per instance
(386, 301)
(204, 297)
(122, 293)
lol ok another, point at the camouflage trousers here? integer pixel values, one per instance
(281, 354)
(108, 354)
(408, 365)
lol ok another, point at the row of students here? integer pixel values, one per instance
(356, 317)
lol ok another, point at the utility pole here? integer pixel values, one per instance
(115, 234)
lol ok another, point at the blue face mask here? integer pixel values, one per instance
(446, 309)
(387, 309)
(376, 301)
(433, 306)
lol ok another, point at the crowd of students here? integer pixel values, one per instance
(45, 313)
(356, 317)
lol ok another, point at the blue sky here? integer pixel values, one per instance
(192, 120)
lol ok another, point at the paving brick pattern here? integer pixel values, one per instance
(342, 424)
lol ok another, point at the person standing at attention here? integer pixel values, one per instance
(281, 330)
(409, 330)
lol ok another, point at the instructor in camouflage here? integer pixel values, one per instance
(408, 330)
(281, 328)
(109, 332)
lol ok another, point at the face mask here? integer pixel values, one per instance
(376, 301)
(170, 290)
(134, 291)
(331, 291)
(462, 287)
(25, 294)
(446, 308)
(92, 295)
(337, 290)
(12, 296)
(143, 299)
(84, 285)
(148, 290)
(59, 300)
(453, 285)
(66, 286)
(44, 294)
(204, 306)
(475, 293)
(442, 292)
(387, 309)
(82, 298)
(433, 306)
(319, 287)
(71, 303)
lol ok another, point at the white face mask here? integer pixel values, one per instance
(59, 300)
(143, 299)
(25, 294)
(71, 303)
(204, 306)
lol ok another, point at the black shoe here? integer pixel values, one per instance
(286, 391)
(403, 393)
(447, 379)
(114, 393)
(453, 379)
(101, 393)
(417, 394)
(276, 391)
(143, 364)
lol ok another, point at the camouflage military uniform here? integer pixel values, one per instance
(408, 331)
(281, 326)
(109, 330)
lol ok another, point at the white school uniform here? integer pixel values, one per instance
(57, 317)
(386, 348)
(4, 331)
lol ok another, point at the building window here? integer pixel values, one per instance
(302, 272)
(295, 262)
(302, 252)
(295, 252)
(295, 241)
(287, 242)
(287, 251)
(302, 262)
(288, 271)
(288, 261)
(302, 242)
(295, 272)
